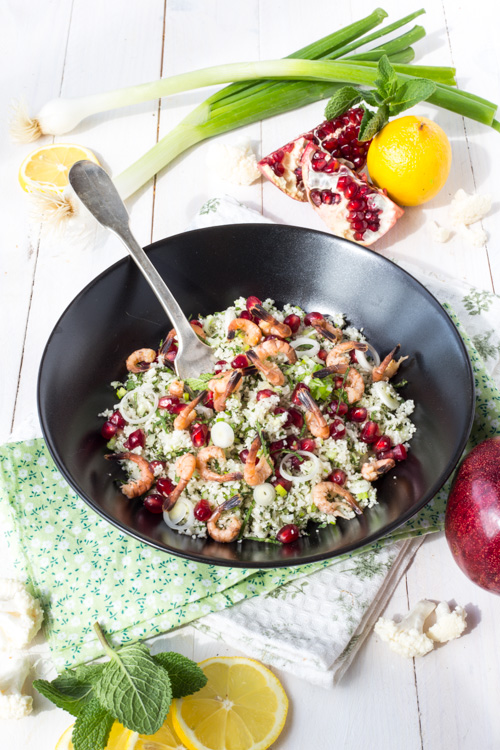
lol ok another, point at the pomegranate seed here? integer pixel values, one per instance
(293, 443)
(219, 366)
(352, 356)
(385, 454)
(196, 323)
(245, 315)
(363, 190)
(330, 145)
(338, 382)
(279, 169)
(343, 181)
(280, 410)
(369, 432)
(265, 393)
(338, 476)
(108, 430)
(244, 455)
(288, 534)
(358, 236)
(239, 362)
(296, 418)
(333, 166)
(177, 408)
(399, 452)
(156, 465)
(117, 419)
(295, 398)
(359, 225)
(199, 434)
(357, 414)
(337, 408)
(351, 190)
(251, 301)
(168, 402)
(356, 204)
(315, 196)
(285, 483)
(165, 486)
(154, 503)
(337, 429)
(295, 462)
(277, 446)
(310, 317)
(271, 337)
(298, 173)
(135, 440)
(323, 354)
(308, 444)
(202, 511)
(326, 196)
(293, 321)
(209, 400)
(382, 444)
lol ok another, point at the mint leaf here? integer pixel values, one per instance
(186, 677)
(134, 690)
(371, 98)
(92, 727)
(198, 384)
(409, 94)
(66, 692)
(387, 82)
(341, 101)
(89, 673)
(375, 122)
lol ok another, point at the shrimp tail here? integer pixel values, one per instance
(331, 370)
(261, 313)
(306, 400)
(232, 502)
(323, 331)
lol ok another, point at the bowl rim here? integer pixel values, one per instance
(287, 562)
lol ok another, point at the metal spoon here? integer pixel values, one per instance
(98, 194)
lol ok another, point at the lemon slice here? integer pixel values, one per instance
(242, 707)
(118, 738)
(164, 739)
(47, 168)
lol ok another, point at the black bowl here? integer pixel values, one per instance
(206, 270)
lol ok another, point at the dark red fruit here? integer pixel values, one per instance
(277, 446)
(308, 444)
(369, 432)
(244, 455)
(322, 354)
(295, 398)
(219, 366)
(296, 418)
(293, 321)
(209, 400)
(165, 486)
(383, 444)
(245, 315)
(197, 323)
(154, 465)
(239, 362)
(199, 434)
(312, 316)
(168, 403)
(202, 510)
(287, 534)
(385, 454)
(177, 408)
(337, 408)
(265, 393)
(338, 476)
(117, 419)
(279, 410)
(285, 483)
(472, 521)
(172, 352)
(399, 452)
(135, 440)
(357, 414)
(108, 430)
(337, 429)
(251, 301)
(352, 355)
(293, 443)
(154, 503)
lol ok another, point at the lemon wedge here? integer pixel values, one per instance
(164, 739)
(47, 168)
(242, 707)
(118, 738)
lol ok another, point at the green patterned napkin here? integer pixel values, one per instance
(84, 569)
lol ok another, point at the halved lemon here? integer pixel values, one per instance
(164, 739)
(242, 707)
(118, 738)
(47, 168)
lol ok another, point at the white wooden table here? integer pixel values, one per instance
(449, 699)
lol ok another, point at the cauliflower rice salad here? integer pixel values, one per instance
(295, 425)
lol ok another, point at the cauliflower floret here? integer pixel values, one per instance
(407, 637)
(467, 209)
(439, 233)
(20, 615)
(234, 163)
(13, 673)
(449, 625)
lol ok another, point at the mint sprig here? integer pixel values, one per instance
(199, 383)
(390, 97)
(92, 727)
(185, 676)
(66, 692)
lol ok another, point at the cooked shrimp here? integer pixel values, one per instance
(327, 329)
(339, 354)
(172, 336)
(140, 360)
(251, 331)
(184, 468)
(269, 324)
(271, 348)
(176, 388)
(354, 385)
(388, 367)
(232, 525)
(188, 414)
(135, 487)
(324, 490)
(223, 385)
(315, 420)
(372, 470)
(214, 453)
(256, 472)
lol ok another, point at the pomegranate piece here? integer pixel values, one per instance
(244, 455)
(239, 361)
(349, 205)
(156, 465)
(202, 511)
(117, 419)
(323, 354)
(308, 444)
(338, 476)
(108, 430)
(295, 398)
(154, 503)
(285, 483)
(383, 444)
(169, 403)
(337, 137)
(280, 410)
(357, 414)
(277, 446)
(172, 352)
(337, 408)
(209, 400)
(296, 418)
(399, 452)
(265, 393)
(135, 440)
(293, 322)
(293, 443)
(337, 429)
(165, 486)
(219, 366)
(311, 317)
(288, 533)
(199, 434)
(251, 301)
(369, 432)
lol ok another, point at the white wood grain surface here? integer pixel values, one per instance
(448, 699)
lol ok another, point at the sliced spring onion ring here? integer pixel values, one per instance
(313, 345)
(222, 435)
(301, 477)
(382, 390)
(181, 516)
(363, 361)
(264, 494)
(149, 394)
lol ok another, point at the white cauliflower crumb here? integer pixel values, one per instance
(476, 236)
(20, 615)
(407, 637)
(438, 233)
(467, 209)
(449, 625)
(233, 162)
(13, 673)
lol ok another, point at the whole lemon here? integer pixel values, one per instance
(411, 158)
